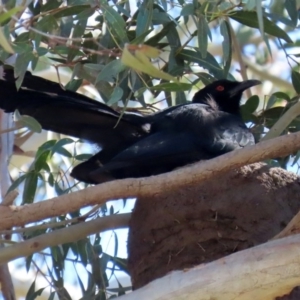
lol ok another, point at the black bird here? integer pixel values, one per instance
(140, 145)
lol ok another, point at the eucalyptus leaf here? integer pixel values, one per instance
(296, 81)
(226, 46)
(249, 18)
(172, 87)
(111, 70)
(30, 187)
(203, 30)
(115, 96)
(291, 7)
(30, 123)
(115, 22)
(4, 42)
(260, 17)
(208, 63)
(5, 16)
(144, 17)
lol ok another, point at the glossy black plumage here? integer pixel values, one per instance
(140, 145)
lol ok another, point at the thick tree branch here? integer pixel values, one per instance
(7, 287)
(262, 272)
(192, 175)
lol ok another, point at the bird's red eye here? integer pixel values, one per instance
(220, 88)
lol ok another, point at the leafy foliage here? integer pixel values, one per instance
(137, 57)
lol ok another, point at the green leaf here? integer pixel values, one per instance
(144, 17)
(111, 70)
(47, 145)
(296, 81)
(58, 147)
(277, 98)
(273, 113)
(49, 5)
(249, 18)
(22, 62)
(140, 62)
(41, 51)
(266, 40)
(63, 151)
(29, 122)
(35, 295)
(22, 38)
(78, 32)
(209, 9)
(46, 24)
(260, 17)
(85, 14)
(51, 180)
(176, 65)
(30, 291)
(52, 296)
(4, 42)
(74, 85)
(164, 4)
(291, 7)
(282, 95)
(28, 262)
(30, 186)
(114, 22)
(226, 46)
(250, 5)
(115, 96)
(187, 10)
(63, 142)
(123, 10)
(203, 30)
(204, 77)
(121, 263)
(279, 18)
(167, 28)
(140, 39)
(8, 14)
(172, 87)
(160, 17)
(16, 183)
(208, 63)
(251, 104)
(180, 98)
(70, 10)
(41, 162)
(93, 67)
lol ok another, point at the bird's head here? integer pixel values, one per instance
(227, 94)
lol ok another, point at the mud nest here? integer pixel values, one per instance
(194, 225)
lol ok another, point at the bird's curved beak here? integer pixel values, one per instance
(242, 86)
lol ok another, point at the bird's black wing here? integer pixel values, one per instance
(186, 134)
(158, 153)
